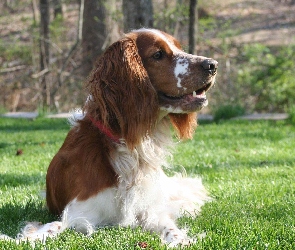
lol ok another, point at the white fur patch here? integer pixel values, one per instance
(181, 69)
(158, 33)
(171, 109)
(77, 114)
(99, 210)
(154, 205)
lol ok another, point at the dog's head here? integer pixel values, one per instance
(146, 74)
(180, 79)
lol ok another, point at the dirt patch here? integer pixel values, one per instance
(271, 22)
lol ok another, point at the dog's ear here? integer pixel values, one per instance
(122, 97)
(185, 124)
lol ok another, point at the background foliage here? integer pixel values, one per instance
(252, 40)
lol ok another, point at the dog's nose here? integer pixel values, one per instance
(210, 64)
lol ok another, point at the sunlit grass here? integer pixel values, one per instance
(248, 167)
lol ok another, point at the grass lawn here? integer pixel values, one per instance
(248, 167)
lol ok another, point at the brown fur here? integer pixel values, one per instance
(71, 173)
(185, 124)
(124, 99)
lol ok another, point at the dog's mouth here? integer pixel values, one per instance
(191, 102)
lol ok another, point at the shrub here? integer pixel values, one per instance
(291, 118)
(228, 111)
(269, 76)
(15, 51)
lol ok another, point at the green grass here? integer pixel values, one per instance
(248, 167)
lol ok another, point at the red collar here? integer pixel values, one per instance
(105, 130)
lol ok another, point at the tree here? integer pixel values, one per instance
(57, 6)
(93, 33)
(44, 52)
(193, 24)
(113, 21)
(137, 14)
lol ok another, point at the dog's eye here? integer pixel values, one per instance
(158, 55)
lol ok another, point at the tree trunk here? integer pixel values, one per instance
(193, 25)
(112, 22)
(36, 11)
(44, 51)
(93, 33)
(137, 14)
(57, 6)
(177, 23)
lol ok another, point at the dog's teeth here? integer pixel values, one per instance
(194, 94)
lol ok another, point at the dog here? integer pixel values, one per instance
(109, 170)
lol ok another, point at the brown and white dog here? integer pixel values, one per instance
(109, 169)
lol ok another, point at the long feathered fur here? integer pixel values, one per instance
(122, 96)
(184, 124)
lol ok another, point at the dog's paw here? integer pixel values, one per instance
(37, 230)
(174, 237)
(5, 237)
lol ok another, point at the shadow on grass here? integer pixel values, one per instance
(5, 144)
(16, 125)
(14, 216)
(15, 180)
